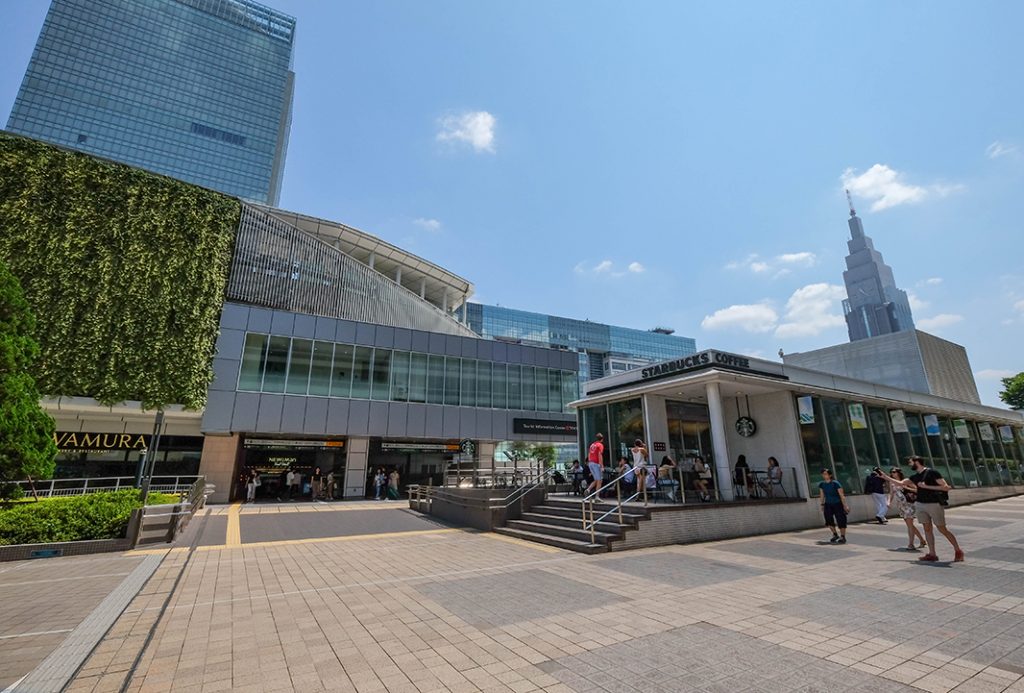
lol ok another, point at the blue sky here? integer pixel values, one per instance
(665, 163)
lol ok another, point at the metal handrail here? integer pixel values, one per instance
(617, 508)
(524, 489)
(50, 488)
(618, 503)
(426, 493)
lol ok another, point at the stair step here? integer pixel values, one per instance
(547, 539)
(564, 532)
(629, 515)
(609, 525)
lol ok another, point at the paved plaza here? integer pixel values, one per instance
(372, 597)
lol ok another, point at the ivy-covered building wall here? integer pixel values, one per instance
(125, 271)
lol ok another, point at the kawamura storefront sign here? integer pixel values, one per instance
(100, 441)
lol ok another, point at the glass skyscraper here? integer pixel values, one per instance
(603, 349)
(200, 90)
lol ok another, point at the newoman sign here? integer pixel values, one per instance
(696, 362)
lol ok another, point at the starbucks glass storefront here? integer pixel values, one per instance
(720, 406)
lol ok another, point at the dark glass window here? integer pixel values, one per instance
(276, 364)
(298, 367)
(253, 355)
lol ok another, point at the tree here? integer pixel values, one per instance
(1013, 391)
(545, 453)
(27, 449)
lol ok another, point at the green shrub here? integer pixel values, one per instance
(74, 518)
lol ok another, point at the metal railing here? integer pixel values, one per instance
(618, 502)
(421, 494)
(55, 488)
(170, 523)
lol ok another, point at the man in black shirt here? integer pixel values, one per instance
(875, 487)
(932, 491)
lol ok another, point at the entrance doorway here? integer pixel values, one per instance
(416, 462)
(689, 435)
(273, 458)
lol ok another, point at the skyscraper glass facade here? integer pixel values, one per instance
(200, 90)
(603, 349)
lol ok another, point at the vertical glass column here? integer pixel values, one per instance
(815, 442)
(881, 432)
(844, 460)
(949, 445)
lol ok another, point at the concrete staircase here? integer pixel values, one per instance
(558, 522)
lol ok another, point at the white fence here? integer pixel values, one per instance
(52, 488)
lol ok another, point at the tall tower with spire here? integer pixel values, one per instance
(874, 305)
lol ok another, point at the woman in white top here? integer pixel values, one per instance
(703, 476)
(639, 452)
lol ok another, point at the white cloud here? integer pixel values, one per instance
(1019, 305)
(606, 268)
(636, 267)
(939, 321)
(804, 258)
(603, 266)
(475, 128)
(916, 303)
(998, 149)
(993, 374)
(428, 224)
(932, 281)
(780, 264)
(757, 317)
(809, 311)
(884, 187)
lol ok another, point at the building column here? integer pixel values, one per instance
(219, 463)
(398, 275)
(444, 301)
(723, 476)
(373, 259)
(356, 453)
(465, 310)
(423, 287)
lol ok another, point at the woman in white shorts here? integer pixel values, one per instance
(899, 501)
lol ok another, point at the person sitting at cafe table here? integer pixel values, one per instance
(742, 479)
(627, 482)
(774, 477)
(700, 483)
(666, 478)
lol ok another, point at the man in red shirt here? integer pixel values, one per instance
(595, 462)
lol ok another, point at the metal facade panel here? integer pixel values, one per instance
(385, 337)
(259, 319)
(377, 423)
(365, 334)
(316, 415)
(230, 343)
(293, 414)
(268, 420)
(358, 417)
(434, 423)
(325, 329)
(234, 316)
(337, 417)
(416, 420)
(282, 322)
(451, 422)
(225, 376)
(247, 408)
(397, 419)
(218, 413)
(403, 338)
(346, 332)
(305, 326)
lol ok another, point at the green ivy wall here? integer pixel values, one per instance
(125, 271)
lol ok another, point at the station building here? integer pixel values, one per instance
(721, 405)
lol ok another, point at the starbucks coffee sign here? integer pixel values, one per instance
(699, 361)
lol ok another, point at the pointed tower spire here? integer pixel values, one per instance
(849, 199)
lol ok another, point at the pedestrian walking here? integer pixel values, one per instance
(292, 482)
(250, 486)
(316, 483)
(834, 506)
(902, 500)
(932, 496)
(595, 462)
(874, 486)
(330, 485)
(393, 485)
(378, 483)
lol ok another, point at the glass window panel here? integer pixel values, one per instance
(879, 419)
(400, 376)
(468, 383)
(815, 448)
(529, 389)
(594, 420)
(451, 380)
(341, 376)
(320, 370)
(435, 380)
(843, 458)
(381, 386)
(362, 372)
(298, 367)
(483, 384)
(918, 437)
(499, 386)
(627, 424)
(540, 376)
(983, 461)
(276, 365)
(863, 445)
(554, 390)
(570, 389)
(418, 378)
(253, 355)
(956, 477)
(515, 392)
(904, 444)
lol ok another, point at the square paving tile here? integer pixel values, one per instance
(786, 551)
(965, 576)
(680, 571)
(496, 600)
(1000, 553)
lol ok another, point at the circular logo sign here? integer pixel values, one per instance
(745, 426)
(467, 447)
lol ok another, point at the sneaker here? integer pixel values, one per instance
(958, 557)
(834, 539)
(929, 557)
(842, 540)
